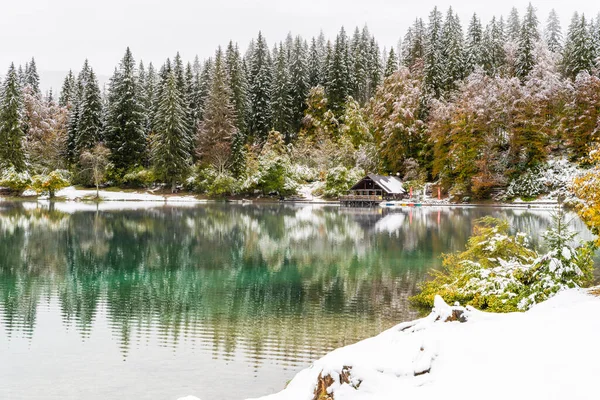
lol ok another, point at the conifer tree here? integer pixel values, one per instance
(413, 49)
(314, 65)
(67, 92)
(392, 63)
(433, 60)
(474, 48)
(375, 69)
(360, 57)
(261, 83)
(553, 33)
(89, 121)
(12, 134)
(170, 148)
(579, 52)
(338, 79)
(149, 96)
(299, 85)
(513, 26)
(218, 126)
(238, 87)
(125, 130)
(452, 51)
(281, 99)
(32, 78)
(528, 38)
(205, 80)
(494, 56)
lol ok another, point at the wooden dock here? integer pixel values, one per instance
(360, 200)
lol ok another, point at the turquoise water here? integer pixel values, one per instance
(132, 301)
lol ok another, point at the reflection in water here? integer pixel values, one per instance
(261, 288)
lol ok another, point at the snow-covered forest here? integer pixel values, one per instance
(479, 106)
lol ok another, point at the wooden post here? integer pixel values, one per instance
(439, 193)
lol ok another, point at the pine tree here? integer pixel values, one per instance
(32, 79)
(238, 86)
(493, 54)
(513, 26)
(579, 52)
(125, 130)
(12, 134)
(205, 80)
(89, 121)
(452, 52)
(433, 62)
(553, 33)
(281, 99)
(338, 79)
(261, 83)
(67, 92)
(474, 49)
(528, 38)
(149, 96)
(170, 148)
(392, 63)
(314, 65)
(299, 83)
(218, 126)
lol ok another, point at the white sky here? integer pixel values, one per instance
(62, 33)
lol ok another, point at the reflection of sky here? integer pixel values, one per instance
(156, 299)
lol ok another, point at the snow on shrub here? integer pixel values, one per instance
(340, 179)
(499, 272)
(15, 181)
(553, 178)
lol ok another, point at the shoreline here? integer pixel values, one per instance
(72, 194)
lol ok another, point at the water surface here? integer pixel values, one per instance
(219, 301)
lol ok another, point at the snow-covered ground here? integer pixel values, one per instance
(71, 193)
(550, 352)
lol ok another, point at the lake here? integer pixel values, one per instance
(148, 301)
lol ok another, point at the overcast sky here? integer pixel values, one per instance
(62, 33)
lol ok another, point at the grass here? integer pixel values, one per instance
(595, 291)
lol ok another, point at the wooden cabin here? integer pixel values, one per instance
(373, 189)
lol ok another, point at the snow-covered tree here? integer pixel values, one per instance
(452, 52)
(475, 46)
(170, 142)
(68, 91)
(579, 51)
(261, 84)
(434, 74)
(89, 121)
(553, 33)
(125, 130)
(12, 153)
(281, 99)
(528, 38)
(392, 63)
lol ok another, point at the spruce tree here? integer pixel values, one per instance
(413, 49)
(281, 99)
(452, 52)
(32, 78)
(125, 130)
(238, 86)
(553, 33)
(299, 83)
(149, 95)
(494, 56)
(433, 61)
(261, 83)
(205, 81)
(338, 79)
(579, 52)
(392, 63)
(513, 26)
(218, 126)
(528, 39)
(12, 153)
(170, 148)
(314, 65)
(474, 48)
(89, 121)
(67, 92)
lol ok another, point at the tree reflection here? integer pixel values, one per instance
(274, 282)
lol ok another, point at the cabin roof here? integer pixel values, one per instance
(389, 184)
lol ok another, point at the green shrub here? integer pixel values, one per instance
(139, 178)
(501, 273)
(16, 181)
(50, 183)
(340, 179)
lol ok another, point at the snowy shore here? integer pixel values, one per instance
(549, 352)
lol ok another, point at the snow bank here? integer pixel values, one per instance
(549, 352)
(71, 193)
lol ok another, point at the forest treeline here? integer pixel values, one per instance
(474, 109)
